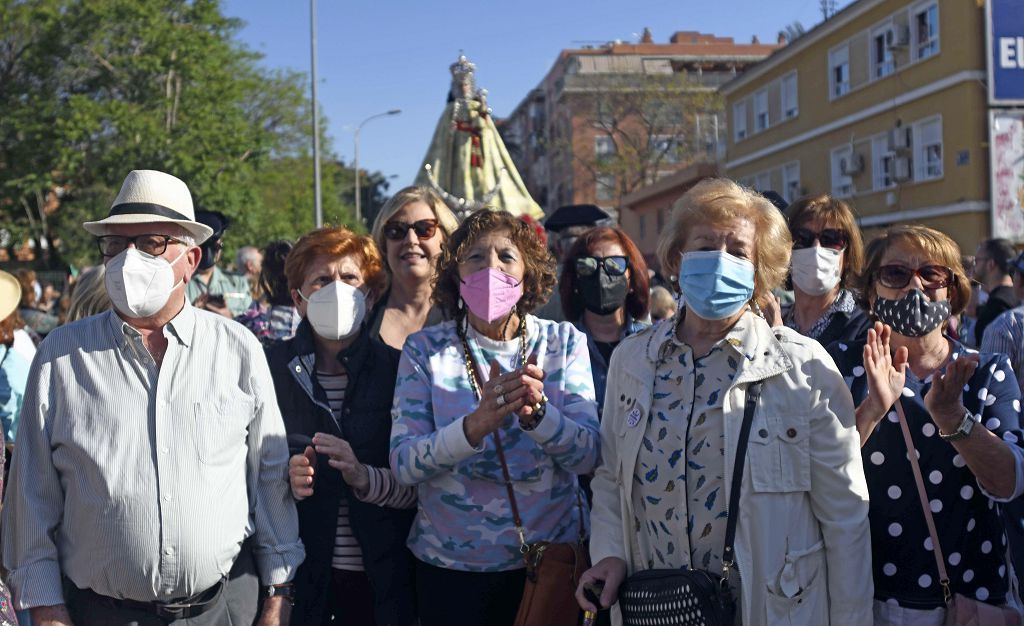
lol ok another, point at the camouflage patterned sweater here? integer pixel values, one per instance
(464, 521)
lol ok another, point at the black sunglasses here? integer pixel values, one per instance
(899, 276)
(613, 265)
(396, 231)
(830, 238)
(154, 245)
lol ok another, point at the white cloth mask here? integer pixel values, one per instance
(336, 311)
(140, 284)
(815, 270)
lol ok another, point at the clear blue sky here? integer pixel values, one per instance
(375, 56)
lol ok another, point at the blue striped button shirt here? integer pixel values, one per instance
(1005, 335)
(141, 482)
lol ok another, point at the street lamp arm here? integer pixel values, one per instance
(355, 155)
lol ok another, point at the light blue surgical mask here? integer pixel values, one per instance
(715, 284)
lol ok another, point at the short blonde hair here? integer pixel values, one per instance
(445, 218)
(932, 244)
(717, 202)
(663, 305)
(89, 294)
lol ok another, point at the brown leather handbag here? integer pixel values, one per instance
(960, 610)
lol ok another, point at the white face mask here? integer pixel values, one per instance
(140, 284)
(336, 310)
(815, 270)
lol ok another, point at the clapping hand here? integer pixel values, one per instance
(532, 378)
(886, 372)
(944, 400)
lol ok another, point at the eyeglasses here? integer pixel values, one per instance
(396, 231)
(613, 265)
(154, 245)
(899, 276)
(829, 238)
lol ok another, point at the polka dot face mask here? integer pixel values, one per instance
(913, 315)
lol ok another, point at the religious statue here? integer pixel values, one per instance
(467, 163)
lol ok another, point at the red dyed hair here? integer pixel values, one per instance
(337, 242)
(638, 298)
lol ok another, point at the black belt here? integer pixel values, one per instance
(185, 608)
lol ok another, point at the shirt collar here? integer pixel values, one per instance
(181, 327)
(741, 338)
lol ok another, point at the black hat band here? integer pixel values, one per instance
(147, 208)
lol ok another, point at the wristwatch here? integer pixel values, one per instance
(963, 431)
(286, 591)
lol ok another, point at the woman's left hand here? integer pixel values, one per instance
(343, 459)
(944, 399)
(531, 377)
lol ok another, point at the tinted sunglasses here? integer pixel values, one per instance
(396, 231)
(899, 276)
(829, 238)
(613, 265)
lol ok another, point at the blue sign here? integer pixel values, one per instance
(1005, 52)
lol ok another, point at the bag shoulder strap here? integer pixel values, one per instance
(728, 554)
(929, 520)
(517, 520)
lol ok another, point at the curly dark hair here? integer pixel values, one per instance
(538, 277)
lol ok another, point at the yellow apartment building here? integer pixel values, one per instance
(884, 105)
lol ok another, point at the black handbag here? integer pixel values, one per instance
(692, 597)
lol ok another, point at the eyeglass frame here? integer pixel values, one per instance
(413, 226)
(602, 261)
(917, 272)
(134, 242)
(819, 237)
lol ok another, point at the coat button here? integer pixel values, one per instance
(762, 433)
(791, 433)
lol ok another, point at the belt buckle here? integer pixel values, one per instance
(172, 611)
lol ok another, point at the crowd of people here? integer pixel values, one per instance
(396, 428)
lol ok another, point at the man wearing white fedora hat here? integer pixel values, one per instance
(150, 444)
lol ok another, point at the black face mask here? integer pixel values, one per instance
(602, 294)
(912, 315)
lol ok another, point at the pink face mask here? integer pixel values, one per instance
(490, 293)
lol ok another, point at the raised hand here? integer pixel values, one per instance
(886, 372)
(944, 400)
(500, 396)
(301, 469)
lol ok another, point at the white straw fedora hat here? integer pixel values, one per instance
(10, 294)
(149, 196)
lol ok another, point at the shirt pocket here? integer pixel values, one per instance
(779, 453)
(221, 427)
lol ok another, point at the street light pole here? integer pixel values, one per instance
(318, 213)
(355, 155)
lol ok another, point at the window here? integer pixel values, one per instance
(604, 115)
(839, 71)
(763, 181)
(926, 31)
(791, 181)
(661, 219)
(883, 163)
(882, 63)
(739, 120)
(643, 227)
(842, 184)
(604, 147)
(790, 107)
(761, 110)
(666, 148)
(928, 149)
(605, 187)
(707, 126)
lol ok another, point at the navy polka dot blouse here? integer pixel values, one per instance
(968, 524)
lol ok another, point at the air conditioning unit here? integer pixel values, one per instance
(897, 37)
(901, 169)
(899, 139)
(851, 165)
